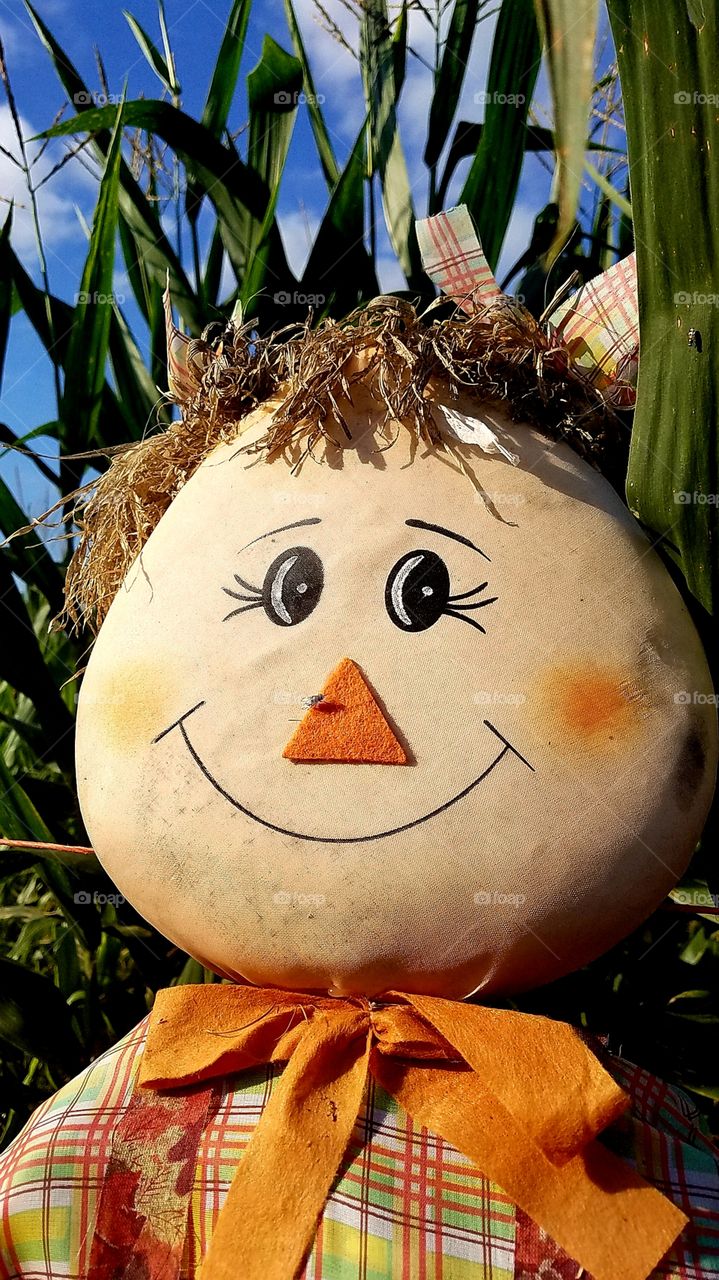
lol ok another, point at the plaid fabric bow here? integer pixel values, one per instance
(522, 1096)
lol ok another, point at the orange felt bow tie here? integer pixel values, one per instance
(523, 1097)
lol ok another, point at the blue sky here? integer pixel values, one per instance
(196, 28)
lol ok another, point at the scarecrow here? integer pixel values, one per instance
(385, 720)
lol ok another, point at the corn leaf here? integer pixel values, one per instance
(220, 93)
(152, 246)
(138, 393)
(273, 87)
(673, 479)
(88, 347)
(34, 1017)
(339, 272)
(237, 191)
(450, 76)
(330, 168)
(152, 54)
(386, 155)
(6, 290)
(227, 67)
(569, 32)
(31, 562)
(490, 188)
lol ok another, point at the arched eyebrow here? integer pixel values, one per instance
(296, 524)
(447, 533)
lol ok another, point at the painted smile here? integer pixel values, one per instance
(506, 749)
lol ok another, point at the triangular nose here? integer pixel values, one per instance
(347, 726)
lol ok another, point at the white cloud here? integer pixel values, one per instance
(334, 69)
(298, 231)
(56, 199)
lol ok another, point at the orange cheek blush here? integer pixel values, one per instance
(592, 704)
(134, 702)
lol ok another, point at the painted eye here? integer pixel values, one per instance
(292, 586)
(417, 591)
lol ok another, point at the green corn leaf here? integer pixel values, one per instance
(490, 187)
(468, 136)
(450, 77)
(23, 664)
(56, 340)
(273, 87)
(152, 54)
(213, 269)
(340, 270)
(220, 93)
(138, 393)
(399, 48)
(569, 32)
(34, 1017)
(239, 194)
(152, 246)
(673, 479)
(227, 67)
(19, 819)
(88, 347)
(608, 189)
(330, 168)
(6, 290)
(386, 155)
(167, 47)
(33, 562)
(158, 345)
(135, 267)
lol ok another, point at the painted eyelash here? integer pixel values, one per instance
(460, 610)
(255, 599)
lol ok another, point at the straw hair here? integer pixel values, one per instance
(500, 354)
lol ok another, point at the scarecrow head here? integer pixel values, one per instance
(390, 689)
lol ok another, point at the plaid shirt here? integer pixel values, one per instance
(407, 1205)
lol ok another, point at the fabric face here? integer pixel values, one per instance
(551, 696)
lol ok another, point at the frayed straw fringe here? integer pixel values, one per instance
(500, 353)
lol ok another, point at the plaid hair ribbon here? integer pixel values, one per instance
(453, 257)
(521, 1096)
(598, 325)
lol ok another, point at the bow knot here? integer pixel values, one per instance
(522, 1096)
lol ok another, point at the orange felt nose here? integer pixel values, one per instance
(347, 726)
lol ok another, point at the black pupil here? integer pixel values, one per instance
(292, 586)
(417, 590)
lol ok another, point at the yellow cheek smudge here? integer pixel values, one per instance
(586, 704)
(133, 703)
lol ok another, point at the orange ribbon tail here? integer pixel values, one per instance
(523, 1097)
